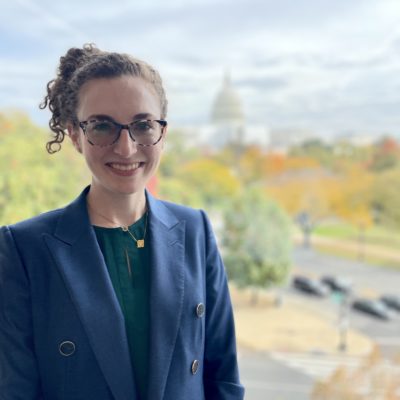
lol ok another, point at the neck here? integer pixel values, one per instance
(110, 210)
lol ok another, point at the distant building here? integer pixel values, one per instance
(357, 139)
(227, 116)
(228, 123)
(227, 106)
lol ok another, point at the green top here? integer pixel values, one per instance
(129, 271)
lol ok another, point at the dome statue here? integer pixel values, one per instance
(227, 106)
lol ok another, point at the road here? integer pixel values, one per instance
(287, 376)
(368, 280)
(267, 379)
(291, 376)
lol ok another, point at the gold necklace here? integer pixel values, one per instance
(139, 242)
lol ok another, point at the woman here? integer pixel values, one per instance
(118, 295)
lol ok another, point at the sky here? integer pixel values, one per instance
(331, 67)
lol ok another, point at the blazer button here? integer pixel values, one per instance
(66, 348)
(200, 310)
(195, 366)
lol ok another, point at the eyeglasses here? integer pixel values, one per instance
(103, 133)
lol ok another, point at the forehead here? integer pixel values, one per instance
(121, 98)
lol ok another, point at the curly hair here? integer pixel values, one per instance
(79, 66)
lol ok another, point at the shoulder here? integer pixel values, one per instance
(40, 223)
(197, 223)
(26, 234)
(181, 210)
(173, 212)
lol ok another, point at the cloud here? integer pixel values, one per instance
(35, 19)
(313, 63)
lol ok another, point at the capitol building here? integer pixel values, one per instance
(227, 124)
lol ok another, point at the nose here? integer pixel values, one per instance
(125, 146)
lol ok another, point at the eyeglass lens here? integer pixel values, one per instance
(104, 133)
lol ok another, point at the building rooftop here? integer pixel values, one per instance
(227, 107)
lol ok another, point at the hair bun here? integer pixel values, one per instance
(74, 58)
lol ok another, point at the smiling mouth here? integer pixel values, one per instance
(125, 167)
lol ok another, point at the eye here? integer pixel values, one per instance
(101, 127)
(143, 126)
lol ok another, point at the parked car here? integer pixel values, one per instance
(338, 284)
(310, 286)
(373, 307)
(391, 301)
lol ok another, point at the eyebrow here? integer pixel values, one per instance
(108, 118)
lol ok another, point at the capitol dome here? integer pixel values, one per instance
(227, 106)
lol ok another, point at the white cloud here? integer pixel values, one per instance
(315, 63)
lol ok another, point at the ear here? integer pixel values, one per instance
(74, 136)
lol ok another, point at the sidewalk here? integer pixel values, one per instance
(291, 327)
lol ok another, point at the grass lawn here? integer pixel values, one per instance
(354, 255)
(375, 238)
(374, 235)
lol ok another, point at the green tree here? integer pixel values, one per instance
(256, 241)
(177, 152)
(178, 191)
(31, 180)
(385, 200)
(315, 149)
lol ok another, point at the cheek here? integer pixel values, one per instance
(91, 155)
(157, 156)
(153, 154)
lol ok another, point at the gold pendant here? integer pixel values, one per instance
(140, 243)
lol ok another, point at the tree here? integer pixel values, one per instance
(307, 196)
(211, 181)
(385, 198)
(313, 196)
(386, 155)
(316, 149)
(32, 181)
(256, 241)
(177, 152)
(178, 191)
(249, 165)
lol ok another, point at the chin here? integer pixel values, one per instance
(130, 190)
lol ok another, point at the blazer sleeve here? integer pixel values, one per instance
(19, 377)
(221, 376)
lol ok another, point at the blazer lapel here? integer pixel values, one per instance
(167, 236)
(81, 264)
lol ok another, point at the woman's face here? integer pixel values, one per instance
(123, 167)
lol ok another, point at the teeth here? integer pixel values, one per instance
(125, 167)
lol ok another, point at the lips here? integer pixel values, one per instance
(124, 169)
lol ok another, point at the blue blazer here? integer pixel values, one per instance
(62, 332)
